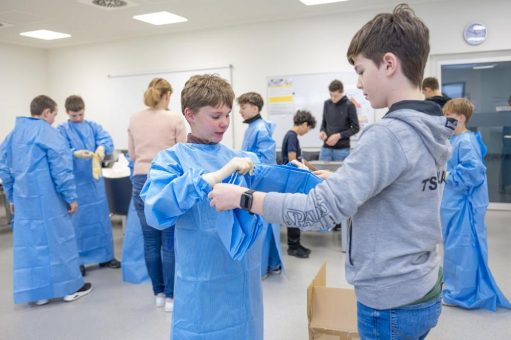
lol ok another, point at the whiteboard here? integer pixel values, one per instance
(127, 97)
(289, 93)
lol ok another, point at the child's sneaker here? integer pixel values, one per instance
(169, 304)
(86, 289)
(160, 300)
(41, 302)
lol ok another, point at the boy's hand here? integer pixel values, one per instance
(322, 136)
(333, 139)
(83, 154)
(242, 165)
(299, 164)
(225, 196)
(73, 207)
(323, 174)
(100, 151)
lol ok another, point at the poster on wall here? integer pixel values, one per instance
(280, 96)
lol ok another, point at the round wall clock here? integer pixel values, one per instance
(474, 34)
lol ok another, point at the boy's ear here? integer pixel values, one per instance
(390, 63)
(189, 115)
(45, 113)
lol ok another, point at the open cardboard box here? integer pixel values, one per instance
(332, 312)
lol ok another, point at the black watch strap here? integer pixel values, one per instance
(246, 200)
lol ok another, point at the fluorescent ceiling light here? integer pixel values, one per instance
(319, 2)
(483, 67)
(45, 35)
(160, 18)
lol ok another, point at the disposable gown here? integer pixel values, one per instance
(36, 170)
(134, 269)
(218, 274)
(258, 139)
(468, 279)
(92, 221)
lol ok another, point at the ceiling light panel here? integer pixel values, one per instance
(160, 18)
(319, 2)
(45, 35)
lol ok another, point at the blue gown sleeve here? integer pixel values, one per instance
(282, 178)
(5, 173)
(60, 162)
(62, 129)
(102, 138)
(265, 148)
(169, 191)
(470, 171)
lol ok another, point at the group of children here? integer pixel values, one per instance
(222, 203)
(61, 216)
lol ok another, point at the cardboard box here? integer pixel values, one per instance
(332, 312)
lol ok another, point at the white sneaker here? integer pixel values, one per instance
(169, 304)
(41, 302)
(160, 300)
(86, 289)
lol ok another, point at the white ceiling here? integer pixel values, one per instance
(92, 24)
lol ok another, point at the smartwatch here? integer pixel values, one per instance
(246, 200)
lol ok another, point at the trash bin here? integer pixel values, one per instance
(118, 192)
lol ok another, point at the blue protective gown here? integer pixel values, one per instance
(37, 174)
(468, 279)
(92, 221)
(134, 269)
(217, 293)
(258, 139)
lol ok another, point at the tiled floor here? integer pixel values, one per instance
(115, 310)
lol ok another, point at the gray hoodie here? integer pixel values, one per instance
(391, 184)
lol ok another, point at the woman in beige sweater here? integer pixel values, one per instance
(151, 131)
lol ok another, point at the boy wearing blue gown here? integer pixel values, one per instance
(468, 281)
(89, 143)
(217, 292)
(258, 139)
(37, 174)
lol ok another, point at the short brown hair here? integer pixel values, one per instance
(156, 89)
(41, 103)
(303, 116)
(251, 98)
(431, 83)
(336, 85)
(74, 103)
(206, 90)
(400, 33)
(459, 106)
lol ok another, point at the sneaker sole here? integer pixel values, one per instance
(76, 295)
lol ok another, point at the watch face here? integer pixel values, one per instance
(474, 34)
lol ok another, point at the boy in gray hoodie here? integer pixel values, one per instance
(391, 184)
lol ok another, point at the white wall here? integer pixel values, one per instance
(23, 75)
(257, 51)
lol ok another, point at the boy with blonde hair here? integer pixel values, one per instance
(468, 281)
(391, 185)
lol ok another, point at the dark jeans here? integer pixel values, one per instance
(293, 237)
(158, 246)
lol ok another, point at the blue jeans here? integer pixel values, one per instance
(329, 154)
(158, 246)
(408, 322)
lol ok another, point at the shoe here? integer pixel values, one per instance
(169, 304)
(86, 289)
(82, 270)
(276, 271)
(307, 250)
(297, 252)
(337, 227)
(160, 300)
(113, 263)
(41, 302)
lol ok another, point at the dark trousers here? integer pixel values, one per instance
(293, 237)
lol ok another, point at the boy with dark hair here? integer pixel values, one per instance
(37, 174)
(89, 143)
(431, 90)
(339, 123)
(258, 139)
(468, 281)
(303, 122)
(391, 185)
